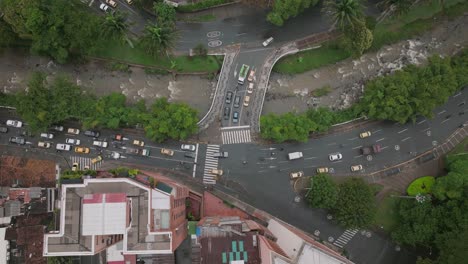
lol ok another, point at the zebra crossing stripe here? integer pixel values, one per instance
(236, 136)
(210, 164)
(345, 237)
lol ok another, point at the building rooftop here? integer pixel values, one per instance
(103, 214)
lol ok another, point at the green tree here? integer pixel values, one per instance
(158, 40)
(454, 250)
(396, 6)
(285, 9)
(359, 37)
(343, 12)
(322, 117)
(170, 121)
(109, 111)
(115, 26)
(8, 35)
(323, 192)
(16, 13)
(355, 206)
(289, 126)
(421, 260)
(200, 50)
(165, 14)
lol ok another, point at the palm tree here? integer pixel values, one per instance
(158, 39)
(343, 12)
(115, 26)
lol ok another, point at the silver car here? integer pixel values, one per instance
(188, 147)
(335, 156)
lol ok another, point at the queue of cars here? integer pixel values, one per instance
(237, 99)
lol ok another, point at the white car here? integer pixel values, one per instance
(335, 156)
(187, 147)
(43, 144)
(98, 143)
(58, 128)
(47, 135)
(73, 141)
(267, 42)
(14, 123)
(74, 131)
(65, 147)
(105, 8)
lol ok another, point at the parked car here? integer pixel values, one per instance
(42, 144)
(129, 2)
(295, 175)
(365, 134)
(237, 101)
(83, 150)
(267, 41)
(73, 131)
(105, 8)
(168, 152)
(65, 147)
(58, 128)
(75, 166)
(72, 141)
(227, 113)
(335, 156)
(47, 135)
(18, 140)
(14, 123)
(322, 170)
(111, 3)
(235, 117)
(188, 147)
(217, 172)
(3, 129)
(246, 100)
(189, 155)
(96, 160)
(250, 88)
(92, 133)
(229, 97)
(223, 154)
(251, 76)
(137, 142)
(356, 168)
(99, 143)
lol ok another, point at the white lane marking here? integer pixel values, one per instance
(358, 156)
(331, 144)
(378, 140)
(353, 138)
(403, 140)
(457, 94)
(378, 130)
(441, 112)
(284, 161)
(420, 122)
(337, 161)
(445, 120)
(310, 158)
(308, 148)
(311, 166)
(195, 162)
(402, 131)
(240, 34)
(424, 130)
(384, 147)
(261, 171)
(357, 147)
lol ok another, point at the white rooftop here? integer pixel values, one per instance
(103, 217)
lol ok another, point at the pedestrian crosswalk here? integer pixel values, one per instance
(345, 237)
(85, 162)
(210, 163)
(236, 136)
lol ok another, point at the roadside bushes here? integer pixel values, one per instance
(201, 5)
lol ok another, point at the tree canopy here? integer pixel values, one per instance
(323, 192)
(285, 9)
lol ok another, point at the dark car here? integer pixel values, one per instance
(222, 154)
(4, 129)
(237, 101)
(228, 97)
(227, 113)
(18, 140)
(235, 117)
(91, 133)
(189, 155)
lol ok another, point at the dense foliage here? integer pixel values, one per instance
(440, 222)
(402, 96)
(165, 14)
(323, 192)
(200, 5)
(52, 102)
(285, 9)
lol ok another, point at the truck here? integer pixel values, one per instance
(294, 155)
(243, 73)
(373, 149)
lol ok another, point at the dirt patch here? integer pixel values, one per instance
(213, 206)
(26, 172)
(294, 93)
(98, 78)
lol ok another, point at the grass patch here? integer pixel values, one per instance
(322, 91)
(386, 215)
(204, 4)
(421, 185)
(117, 66)
(192, 227)
(310, 59)
(376, 188)
(418, 20)
(123, 53)
(202, 18)
(461, 148)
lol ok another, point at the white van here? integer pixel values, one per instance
(268, 41)
(294, 155)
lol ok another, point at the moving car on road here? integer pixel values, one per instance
(188, 147)
(14, 123)
(372, 149)
(217, 172)
(111, 3)
(99, 143)
(83, 150)
(96, 160)
(365, 134)
(47, 135)
(65, 147)
(137, 142)
(42, 144)
(295, 175)
(18, 140)
(243, 73)
(335, 156)
(267, 41)
(355, 168)
(251, 76)
(322, 170)
(229, 97)
(227, 113)
(237, 101)
(246, 100)
(295, 155)
(72, 141)
(73, 131)
(75, 166)
(92, 133)
(4, 129)
(250, 89)
(222, 154)
(235, 117)
(168, 152)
